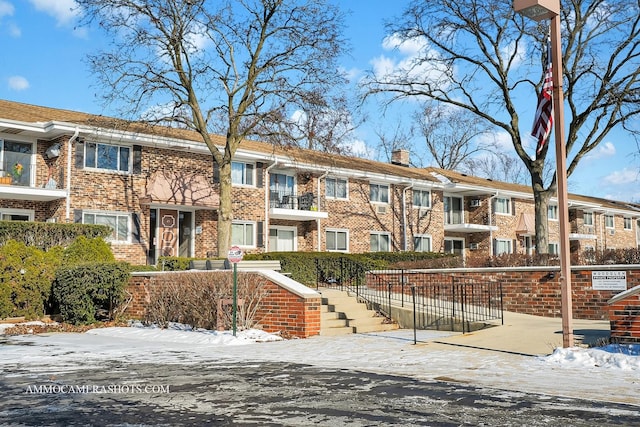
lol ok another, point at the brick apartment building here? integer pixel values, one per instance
(157, 188)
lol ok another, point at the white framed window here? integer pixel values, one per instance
(552, 212)
(243, 233)
(587, 218)
(422, 243)
(15, 161)
(119, 223)
(608, 221)
(379, 193)
(337, 240)
(336, 188)
(627, 223)
(107, 157)
(282, 239)
(380, 242)
(421, 199)
(502, 205)
(554, 249)
(16, 215)
(453, 210)
(454, 246)
(242, 173)
(503, 246)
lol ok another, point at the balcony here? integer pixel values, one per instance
(454, 223)
(297, 207)
(582, 232)
(15, 187)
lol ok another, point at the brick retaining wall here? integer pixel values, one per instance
(281, 311)
(624, 316)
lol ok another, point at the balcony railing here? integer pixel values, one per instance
(288, 200)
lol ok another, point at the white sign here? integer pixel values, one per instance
(235, 254)
(609, 280)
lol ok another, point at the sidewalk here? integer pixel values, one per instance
(528, 335)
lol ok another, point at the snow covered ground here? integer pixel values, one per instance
(609, 373)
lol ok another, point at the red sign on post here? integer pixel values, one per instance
(235, 254)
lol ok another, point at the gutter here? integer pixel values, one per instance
(323, 176)
(265, 233)
(404, 216)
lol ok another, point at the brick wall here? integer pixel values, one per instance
(535, 290)
(282, 310)
(624, 316)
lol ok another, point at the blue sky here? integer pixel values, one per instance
(43, 64)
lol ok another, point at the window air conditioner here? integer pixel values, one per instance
(473, 246)
(381, 209)
(475, 203)
(612, 232)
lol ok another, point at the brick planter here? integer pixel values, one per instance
(624, 316)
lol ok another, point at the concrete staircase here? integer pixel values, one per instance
(342, 314)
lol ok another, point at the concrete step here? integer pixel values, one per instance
(341, 308)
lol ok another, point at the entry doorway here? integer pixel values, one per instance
(171, 234)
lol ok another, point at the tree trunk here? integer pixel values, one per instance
(541, 198)
(225, 213)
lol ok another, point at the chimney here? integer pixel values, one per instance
(400, 157)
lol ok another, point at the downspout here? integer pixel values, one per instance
(321, 177)
(69, 146)
(266, 206)
(404, 216)
(490, 223)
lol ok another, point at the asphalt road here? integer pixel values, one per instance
(275, 394)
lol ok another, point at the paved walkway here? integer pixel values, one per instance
(529, 335)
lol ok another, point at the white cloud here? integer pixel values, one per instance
(606, 149)
(622, 177)
(18, 83)
(64, 11)
(14, 30)
(6, 8)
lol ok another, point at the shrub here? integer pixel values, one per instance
(44, 235)
(83, 291)
(26, 273)
(173, 263)
(193, 298)
(87, 250)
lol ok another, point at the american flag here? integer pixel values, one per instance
(544, 113)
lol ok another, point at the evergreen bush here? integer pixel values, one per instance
(85, 290)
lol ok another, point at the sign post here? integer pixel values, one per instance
(234, 257)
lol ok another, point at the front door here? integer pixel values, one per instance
(168, 232)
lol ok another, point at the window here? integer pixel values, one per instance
(16, 215)
(421, 198)
(380, 242)
(119, 224)
(282, 239)
(108, 157)
(453, 213)
(552, 212)
(454, 246)
(422, 243)
(336, 188)
(242, 173)
(337, 240)
(588, 218)
(242, 233)
(627, 223)
(379, 193)
(16, 161)
(608, 221)
(503, 246)
(553, 249)
(502, 205)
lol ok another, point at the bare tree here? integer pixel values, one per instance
(474, 55)
(497, 166)
(449, 134)
(220, 66)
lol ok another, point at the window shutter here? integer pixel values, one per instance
(77, 216)
(259, 174)
(137, 159)
(79, 146)
(260, 232)
(216, 173)
(136, 232)
(513, 248)
(513, 207)
(495, 246)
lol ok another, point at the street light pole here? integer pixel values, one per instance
(538, 10)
